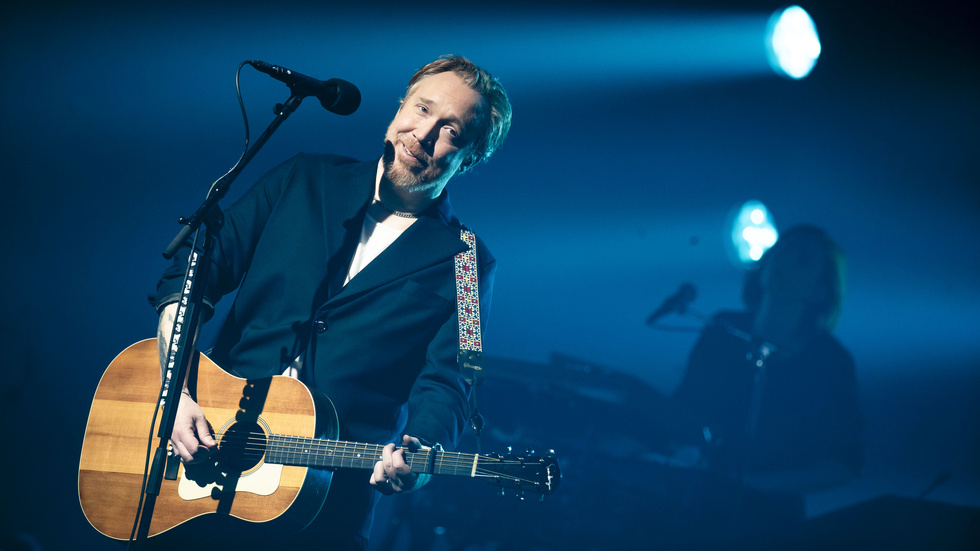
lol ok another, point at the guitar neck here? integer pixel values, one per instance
(314, 452)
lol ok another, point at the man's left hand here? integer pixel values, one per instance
(392, 475)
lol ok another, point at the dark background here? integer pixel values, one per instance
(637, 129)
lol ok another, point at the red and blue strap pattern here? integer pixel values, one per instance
(468, 295)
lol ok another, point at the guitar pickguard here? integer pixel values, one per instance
(262, 481)
(240, 465)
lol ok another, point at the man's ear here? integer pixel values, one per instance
(471, 159)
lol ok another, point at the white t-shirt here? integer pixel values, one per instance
(375, 238)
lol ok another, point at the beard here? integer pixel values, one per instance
(402, 177)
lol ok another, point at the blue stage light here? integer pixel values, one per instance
(792, 42)
(753, 232)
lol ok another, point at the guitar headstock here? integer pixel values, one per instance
(526, 473)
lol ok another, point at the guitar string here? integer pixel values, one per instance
(341, 455)
(261, 440)
(443, 464)
(341, 458)
(302, 444)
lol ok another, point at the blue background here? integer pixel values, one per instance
(637, 129)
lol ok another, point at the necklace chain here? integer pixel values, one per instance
(395, 212)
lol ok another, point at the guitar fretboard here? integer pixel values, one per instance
(313, 452)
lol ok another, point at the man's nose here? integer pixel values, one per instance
(427, 132)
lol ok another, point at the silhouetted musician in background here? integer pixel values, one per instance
(776, 394)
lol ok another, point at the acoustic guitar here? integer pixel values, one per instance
(277, 450)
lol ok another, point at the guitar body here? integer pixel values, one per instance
(111, 467)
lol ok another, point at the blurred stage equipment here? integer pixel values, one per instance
(675, 303)
(618, 492)
(611, 424)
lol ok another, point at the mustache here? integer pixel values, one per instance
(415, 148)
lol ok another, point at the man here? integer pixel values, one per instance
(345, 277)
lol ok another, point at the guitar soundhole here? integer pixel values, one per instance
(242, 447)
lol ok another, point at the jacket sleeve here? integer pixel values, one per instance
(242, 226)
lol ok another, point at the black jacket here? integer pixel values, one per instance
(383, 347)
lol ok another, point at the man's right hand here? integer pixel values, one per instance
(192, 439)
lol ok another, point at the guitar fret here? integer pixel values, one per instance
(305, 451)
(313, 452)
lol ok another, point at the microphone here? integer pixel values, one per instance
(335, 95)
(676, 302)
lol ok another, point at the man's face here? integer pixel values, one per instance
(434, 129)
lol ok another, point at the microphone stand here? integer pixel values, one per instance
(181, 352)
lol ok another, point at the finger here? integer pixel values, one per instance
(378, 476)
(204, 432)
(398, 456)
(411, 443)
(380, 480)
(399, 465)
(181, 451)
(387, 460)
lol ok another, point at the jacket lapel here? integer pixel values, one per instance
(344, 205)
(439, 238)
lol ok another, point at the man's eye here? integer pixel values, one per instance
(423, 109)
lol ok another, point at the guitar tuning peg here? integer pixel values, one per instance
(522, 496)
(510, 450)
(530, 451)
(541, 498)
(501, 493)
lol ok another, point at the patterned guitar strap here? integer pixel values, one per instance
(468, 309)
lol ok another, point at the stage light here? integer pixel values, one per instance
(792, 43)
(753, 232)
